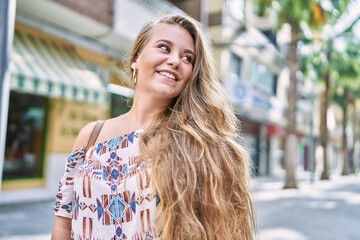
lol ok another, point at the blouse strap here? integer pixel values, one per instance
(95, 133)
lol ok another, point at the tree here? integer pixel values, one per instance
(334, 67)
(294, 13)
(317, 17)
(346, 69)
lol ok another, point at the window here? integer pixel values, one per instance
(24, 151)
(262, 79)
(236, 65)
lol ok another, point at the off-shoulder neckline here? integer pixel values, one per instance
(124, 135)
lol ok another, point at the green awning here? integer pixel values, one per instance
(41, 67)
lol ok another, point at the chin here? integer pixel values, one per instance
(167, 94)
(166, 91)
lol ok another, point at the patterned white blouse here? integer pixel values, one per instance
(104, 195)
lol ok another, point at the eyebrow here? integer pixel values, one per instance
(187, 50)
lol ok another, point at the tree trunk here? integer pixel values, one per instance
(291, 153)
(323, 124)
(291, 156)
(344, 135)
(354, 121)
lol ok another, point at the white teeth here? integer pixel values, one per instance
(169, 75)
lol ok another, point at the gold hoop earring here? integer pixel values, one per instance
(134, 76)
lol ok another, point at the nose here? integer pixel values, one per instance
(173, 60)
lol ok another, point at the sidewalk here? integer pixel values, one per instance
(26, 221)
(324, 210)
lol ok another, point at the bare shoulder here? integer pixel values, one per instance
(83, 136)
(116, 126)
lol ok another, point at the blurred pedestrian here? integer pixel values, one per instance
(171, 167)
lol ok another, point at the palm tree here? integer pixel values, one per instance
(312, 15)
(346, 68)
(293, 13)
(336, 68)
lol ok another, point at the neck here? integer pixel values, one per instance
(144, 109)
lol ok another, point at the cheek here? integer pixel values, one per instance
(186, 82)
(188, 73)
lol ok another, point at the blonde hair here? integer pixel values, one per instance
(199, 171)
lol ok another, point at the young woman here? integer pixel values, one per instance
(171, 167)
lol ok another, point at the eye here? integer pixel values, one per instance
(188, 59)
(164, 47)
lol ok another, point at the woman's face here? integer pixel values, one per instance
(165, 64)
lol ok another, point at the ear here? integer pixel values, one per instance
(134, 65)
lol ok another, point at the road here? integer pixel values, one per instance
(324, 210)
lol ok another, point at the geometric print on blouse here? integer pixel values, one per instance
(63, 205)
(111, 196)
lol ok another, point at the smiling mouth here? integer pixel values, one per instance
(168, 75)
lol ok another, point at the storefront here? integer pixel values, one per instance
(261, 112)
(54, 92)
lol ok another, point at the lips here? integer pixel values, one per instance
(168, 74)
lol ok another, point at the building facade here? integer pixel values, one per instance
(252, 70)
(252, 63)
(66, 69)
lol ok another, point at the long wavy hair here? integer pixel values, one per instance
(198, 169)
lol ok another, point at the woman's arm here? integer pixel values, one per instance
(61, 229)
(62, 224)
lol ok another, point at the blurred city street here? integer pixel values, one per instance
(290, 69)
(323, 210)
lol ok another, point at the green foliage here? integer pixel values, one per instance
(338, 98)
(261, 6)
(334, 10)
(340, 5)
(292, 12)
(317, 18)
(346, 69)
(343, 66)
(313, 65)
(314, 13)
